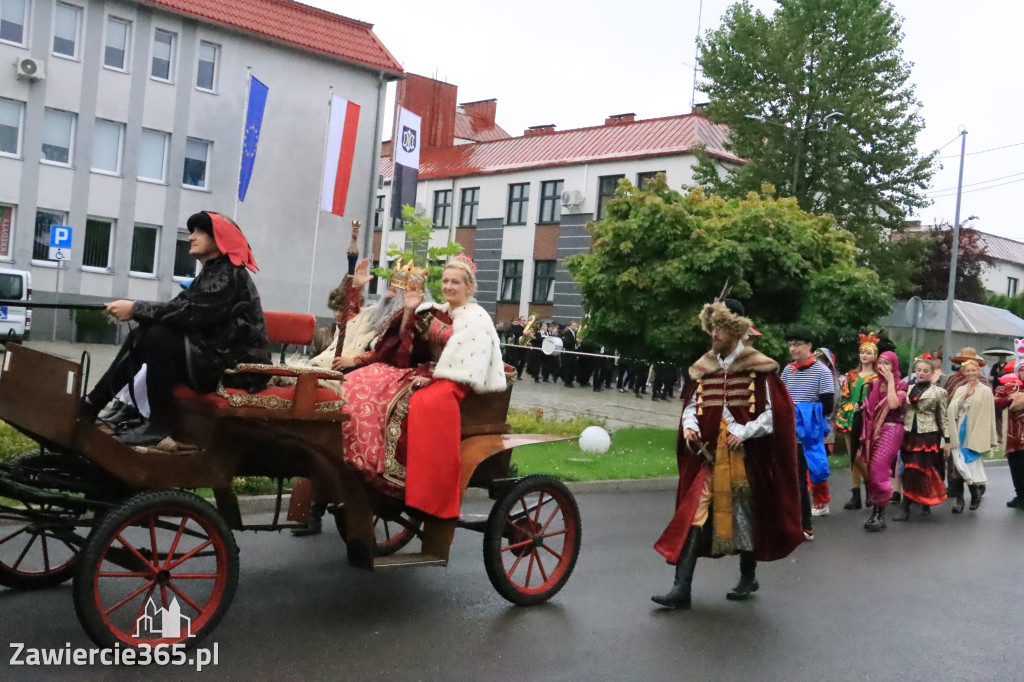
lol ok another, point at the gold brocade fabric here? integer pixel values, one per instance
(730, 478)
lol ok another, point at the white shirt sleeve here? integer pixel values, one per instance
(690, 415)
(762, 426)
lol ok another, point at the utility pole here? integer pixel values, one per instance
(951, 291)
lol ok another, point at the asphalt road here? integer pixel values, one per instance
(939, 598)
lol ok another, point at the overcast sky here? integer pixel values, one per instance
(572, 63)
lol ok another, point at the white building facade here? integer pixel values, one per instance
(120, 119)
(520, 206)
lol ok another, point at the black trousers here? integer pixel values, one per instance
(1016, 461)
(805, 493)
(162, 350)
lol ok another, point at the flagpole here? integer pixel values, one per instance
(320, 198)
(241, 150)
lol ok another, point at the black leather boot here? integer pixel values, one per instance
(748, 584)
(877, 521)
(904, 513)
(679, 596)
(854, 502)
(975, 497)
(314, 524)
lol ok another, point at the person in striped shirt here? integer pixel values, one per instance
(812, 389)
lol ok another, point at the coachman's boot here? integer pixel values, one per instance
(854, 502)
(975, 497)
(679, 596)
(748, 584)
(904, 513)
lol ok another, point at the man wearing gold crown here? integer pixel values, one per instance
(737, 459)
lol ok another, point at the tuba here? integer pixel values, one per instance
(528, 332)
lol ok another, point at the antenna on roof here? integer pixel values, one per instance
(696, 54)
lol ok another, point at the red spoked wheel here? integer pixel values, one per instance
(532, 540)
(160, 569)
(391, 533)
(38, 542)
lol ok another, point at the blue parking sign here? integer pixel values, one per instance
(60, 236)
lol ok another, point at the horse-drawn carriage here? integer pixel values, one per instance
(128, 528)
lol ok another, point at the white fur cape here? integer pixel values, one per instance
(473, 353)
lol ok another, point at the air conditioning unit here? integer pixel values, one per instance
(32, 69)
(572, 198)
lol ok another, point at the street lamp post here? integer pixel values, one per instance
(947, 338)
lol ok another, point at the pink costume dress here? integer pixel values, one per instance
(882, 434)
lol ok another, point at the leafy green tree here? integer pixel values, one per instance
(835, 116)
(659, 255)
(1015, 304)
(418, 229)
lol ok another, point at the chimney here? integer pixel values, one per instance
(434, 102)
(619, 119)
(482, 113)
(533, 131)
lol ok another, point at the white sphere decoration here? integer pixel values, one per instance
(595, 439)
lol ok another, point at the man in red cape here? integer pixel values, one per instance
(736, 450)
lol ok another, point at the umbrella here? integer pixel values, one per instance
(999, 352)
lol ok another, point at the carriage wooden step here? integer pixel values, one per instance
(408, 561)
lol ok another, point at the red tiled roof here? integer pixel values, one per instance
(653, 137)
(295, 24)
(471, 128)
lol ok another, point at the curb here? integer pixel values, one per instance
(264, 504)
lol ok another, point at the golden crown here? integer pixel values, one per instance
(401, 274)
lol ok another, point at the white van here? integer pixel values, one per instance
(15, 321)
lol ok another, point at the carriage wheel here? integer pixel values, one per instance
(160, 569)
(532, 540)
(391, 535)
(39, 548)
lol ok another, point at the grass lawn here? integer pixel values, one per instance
(635, 453)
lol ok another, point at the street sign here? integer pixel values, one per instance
(915, 311)
(60, 242)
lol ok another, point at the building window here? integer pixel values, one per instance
(144, 249)
(543, 281)
(67, 23)
(468, 204)
(197, 152)
(378, 214)
(511, 279)
(11, 114)
(163, 55)
(1011, 286)
(107, 142)
(184, 263)
(98, 239)
(606, 186)
(58, 135)
(442, 207)
(44, 220)
(115, 53)
(206, 72)
(153, 155)
(518, 202)
(643, 178)
(6, 230)
(550, 201)
(13, 17)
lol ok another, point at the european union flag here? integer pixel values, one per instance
(253, 123)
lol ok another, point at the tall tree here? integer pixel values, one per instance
(659, 255)
(934, 249)
(837, 117)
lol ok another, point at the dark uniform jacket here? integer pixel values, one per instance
(222, 321)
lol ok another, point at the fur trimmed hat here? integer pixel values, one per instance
(728, 315)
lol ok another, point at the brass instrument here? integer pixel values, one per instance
(528, 332)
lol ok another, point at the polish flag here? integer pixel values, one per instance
(341, 147)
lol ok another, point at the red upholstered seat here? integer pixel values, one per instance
(323, 395)
(291, 329)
